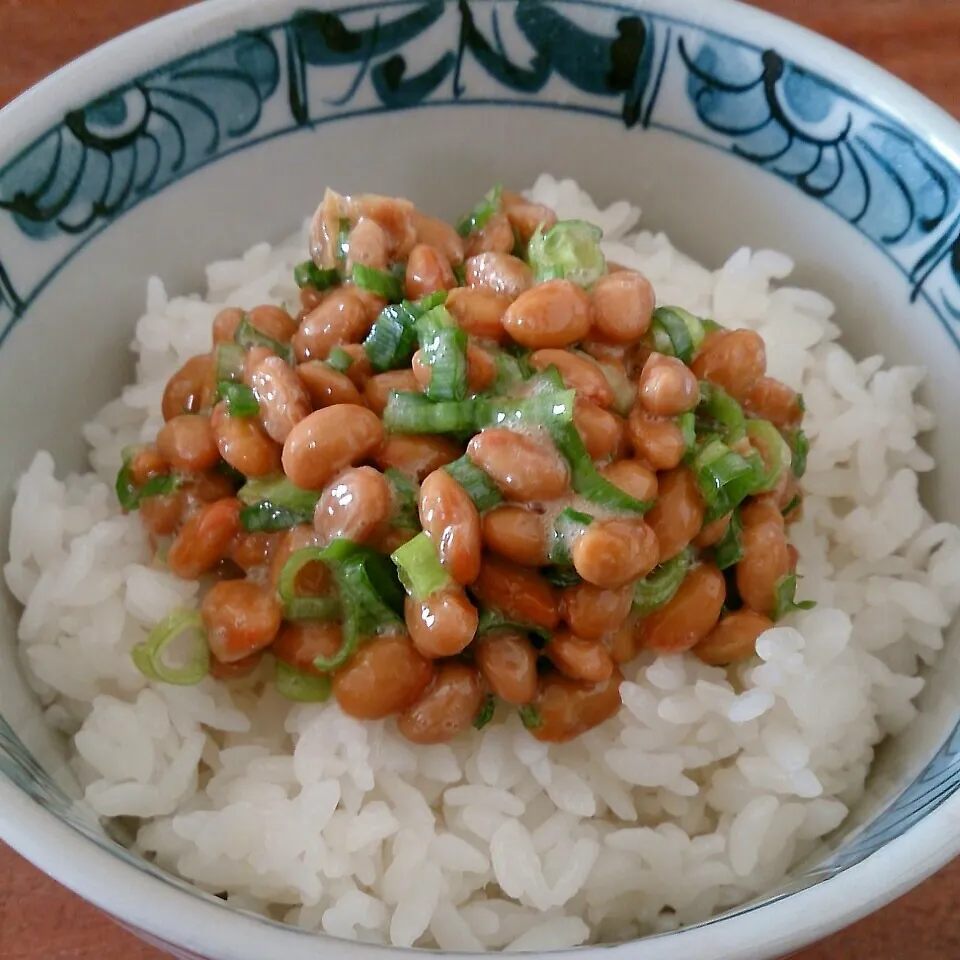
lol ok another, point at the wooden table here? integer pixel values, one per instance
(915, 39)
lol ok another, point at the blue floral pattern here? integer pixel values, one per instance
(592, 57)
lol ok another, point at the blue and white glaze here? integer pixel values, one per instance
(641, 70)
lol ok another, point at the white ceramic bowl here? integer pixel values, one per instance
(726, 125)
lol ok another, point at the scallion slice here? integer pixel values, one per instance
(659, 586)
(491, 620)
(567, 527)
(687, 422)
(393, 338)
(298, 606)
(301, 687)
(381, 283)
(719, 413)
(229, 360)
(624, 389)
(247, 335)
(150, 657)
(512, 371)
(343, 239)
(308, 274)
(480, 488)
(729, 549)
(530, 717)
(785, 603)
(799, 448)
(443, 346)
(774, 452)
(725, 479)
(561, 577)
(274, 503)
(339, 360)
(486, 712)
(478, 217)
(677, 333)
(419, 567)
(241, 401)
(404, 493)
(569, 250)
(587, 481)
(129, 495)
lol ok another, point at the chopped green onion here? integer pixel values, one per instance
(512, 371)
(569, 250)
(229, 358)
(297, 606)
(519, 248)
(378, 282)
(247, 335)
(343, 239)
(486, 712)
(370, 594)
(149, 657)
(274, 503)
(799, 448)
(718, 412)
(460, 274)
(624, 389)
(393, 338)
(659, 586)
(339, 360)
(419, 567)
(414, 413)
(480, 488)
(241, 401)
(774, 452)
(567, 527)
(677, 333)
(587, 481)
(729, 549)
(308, 274)
(231, 473)
(687, 422)
(478, 217)
(129, 496)
(561, 577)
(405, 494)
(491, 620)
(792, 505)
(443, 346)
(301, 687)
(725, 479)
(785, 603)
(530, 717)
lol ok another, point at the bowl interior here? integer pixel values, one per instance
(723, 142)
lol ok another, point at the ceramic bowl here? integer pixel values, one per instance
(197, 135)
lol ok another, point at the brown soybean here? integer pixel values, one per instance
(326, 386)
(520, 594)
(734, 360)
(321, 445)
(384, 677)
(446, 708)
(517, 533)
(733, 639)
(579, 659)
(593, 612)
(443, 624)
(656, 441)
(452, 522)
(439, 235)
(241, 618)
(667, 387)
(567, 708)
(611, 553)
(633, 478)
(282, 397)
(551, 314)
(478, 311)
(275, 322)
(356, 506)
(244, 444)
(689, 616)
(602, 432)
(766, 561)
(379, 387)
(416, 455)
(500, 273)
(191, 389)
(521, 467)
(343, 317)
(508, 663)
(623, 305)
(299, 644)
(578, 373)
(677, 516)
(428, 271)
(205, 539)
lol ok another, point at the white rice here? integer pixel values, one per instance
(701, 794)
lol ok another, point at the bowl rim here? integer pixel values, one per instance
(143, 900)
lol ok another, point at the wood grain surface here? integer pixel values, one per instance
(915, 39)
